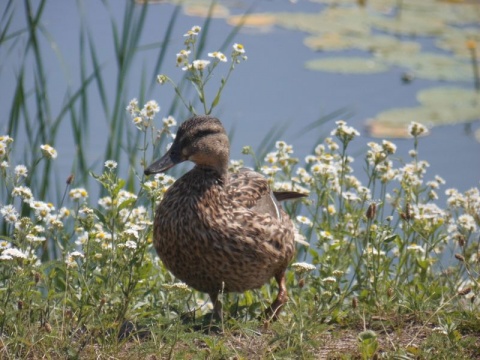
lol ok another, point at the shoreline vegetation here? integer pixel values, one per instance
(383, 270)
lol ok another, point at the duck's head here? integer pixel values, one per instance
(200, 139)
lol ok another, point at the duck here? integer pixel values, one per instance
(220, 231)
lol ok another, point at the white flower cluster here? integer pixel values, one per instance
(201, 65)
(303, 267)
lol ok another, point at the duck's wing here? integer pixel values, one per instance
(252, 191)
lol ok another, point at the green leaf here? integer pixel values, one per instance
(126, 203)
(118, 187)
(390, 238)
(100, 216)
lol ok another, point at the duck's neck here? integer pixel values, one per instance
(219, 172)
(215, 161)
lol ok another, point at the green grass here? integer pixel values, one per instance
(395, 272)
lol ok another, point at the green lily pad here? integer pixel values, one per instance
(252, 20)
(200, 10)
(455, 40)
(453, 12)
(352, 21)
(329, 42)
(448, 95)
(384, 44)
(347, 65)
(433, 66)
(411, 24)
(378, 44)
(439, 106)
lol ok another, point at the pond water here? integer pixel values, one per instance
(272, 88)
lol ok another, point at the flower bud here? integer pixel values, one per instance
(371, 211)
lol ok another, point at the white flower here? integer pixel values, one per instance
(9, 213)
(182, 57)
(238, 48)
(82, 238)
(162, 79)
(150, 109)
(304, 220)
(338, 273)
(70, 260)
(169, 121)
(131, 244)
(270, 170)
(466, 223)
(132, 107)
(348, 195)
(280, 144)
(200, 64)
(303, 267)
(440, 180)
(3, 149)
(344, 132)
(218, 55)
(5, 139)
(34, 238)
(111, 164)
(178, 286)
(416, 129)
(415, 247)
(195, 30)
(4, 244)
(78, 194)
(8, 254)
(48, 151)
(389, 147)
(373, 251)
(125, 195)
(21, 171)
(106, 202)
(24, 192)
(271, 158)
(326, 234)
(329, 279)
(131, 233)
(184, 53)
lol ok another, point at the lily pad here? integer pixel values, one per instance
(351, 21)
(328, 42)
(455, 40)
(409, 23)
(440, 106)
(378, 44)
(252, 20)
(218, 11)
(451, 96)
(347, 65)
(459, 12)
(433, 66)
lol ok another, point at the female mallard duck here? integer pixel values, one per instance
(220, 231)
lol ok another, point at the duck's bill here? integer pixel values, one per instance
(163, 164)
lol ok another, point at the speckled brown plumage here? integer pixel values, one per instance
(220, 231)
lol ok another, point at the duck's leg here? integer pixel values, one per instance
(217, 306)
(274, 309)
